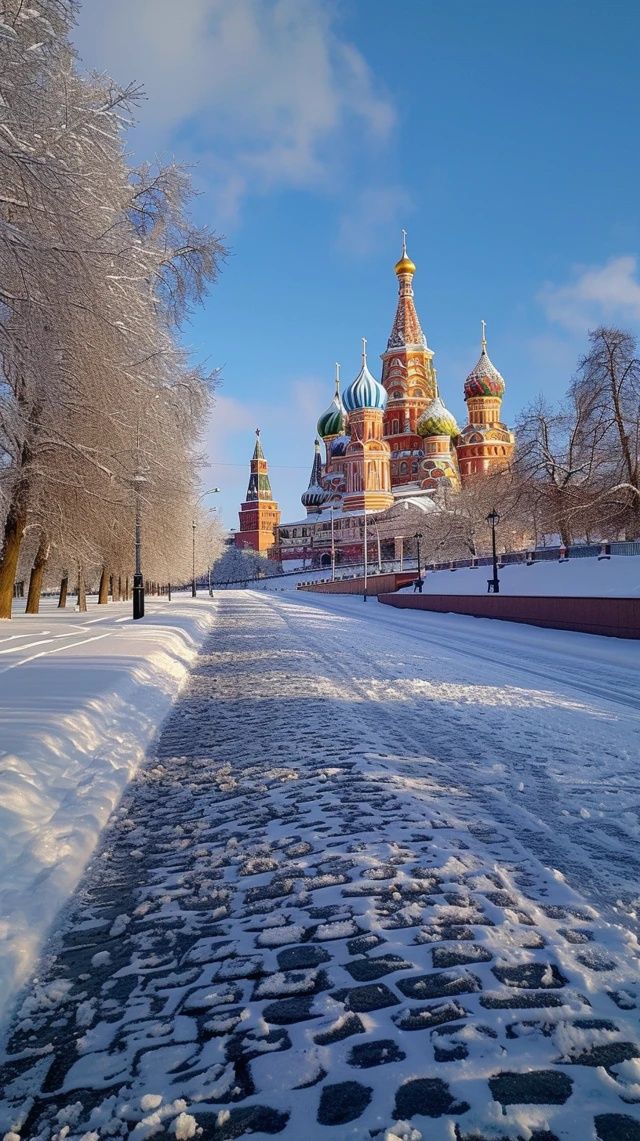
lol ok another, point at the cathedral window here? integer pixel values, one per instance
(403, 469)
(395, 427)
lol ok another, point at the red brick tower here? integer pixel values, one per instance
(259, 514)
(408, 377)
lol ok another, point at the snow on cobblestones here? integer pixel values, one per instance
(80, 700)
(333, 930)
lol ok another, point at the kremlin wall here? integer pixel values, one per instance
(386, 443)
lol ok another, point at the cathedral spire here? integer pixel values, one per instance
(259, 483)
(406, 329)
(315, 495)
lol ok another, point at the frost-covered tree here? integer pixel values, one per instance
(241, 568)
(98, 266)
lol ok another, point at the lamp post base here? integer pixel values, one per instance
(138, 596)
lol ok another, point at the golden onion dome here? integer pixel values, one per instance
(405, 265)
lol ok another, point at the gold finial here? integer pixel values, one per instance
(337, 379)
(257, 432)
(405, 265)
(364, 352)
(435, 381)
(484, 336)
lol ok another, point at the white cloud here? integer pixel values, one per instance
(263, 93)
(608, 292)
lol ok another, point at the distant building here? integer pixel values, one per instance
(392, 442)
(259, 514)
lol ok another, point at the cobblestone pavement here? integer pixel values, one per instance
(289, 929)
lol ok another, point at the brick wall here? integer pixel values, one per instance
(614, 617)
(376, 584)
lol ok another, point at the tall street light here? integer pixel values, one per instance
(366, 556)
(333, 547)
(138, 481)
(493, 586)
(138, 582)
(417, 537)
(211, 491)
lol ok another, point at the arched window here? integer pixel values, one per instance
(403, 469)
(395, 427)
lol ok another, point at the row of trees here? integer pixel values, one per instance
(99, 266)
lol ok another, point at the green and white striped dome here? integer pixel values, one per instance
(436, 420)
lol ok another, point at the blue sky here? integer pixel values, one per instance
(502, 135)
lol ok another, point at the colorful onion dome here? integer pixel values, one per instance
(316, 494)
(405, 265)
(436, 420)
(484, 379)
(339, 445)
(333, 420)
(365, 391)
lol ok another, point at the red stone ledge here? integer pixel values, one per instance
(613, 617)
(376, 584)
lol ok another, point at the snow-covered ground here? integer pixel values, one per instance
(81, 697)
(617, 577)
(378, 880)
(542, 727)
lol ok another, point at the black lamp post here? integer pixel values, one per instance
(212, 491)
(493, 586)
(138, 582)
(417, 537)
(193, 559)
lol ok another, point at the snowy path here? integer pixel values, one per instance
(81, 697)
(318, 913)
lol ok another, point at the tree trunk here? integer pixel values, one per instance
(120, 598)
(37, 575)
(126, 589)
(82, 591)
(62, 597)
(13, 531)
(103, 589)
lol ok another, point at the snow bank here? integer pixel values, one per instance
(617, 577)
(81, 698)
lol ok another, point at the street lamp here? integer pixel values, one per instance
(366, 557)
(493, 585)
(333, 547)
(138, 582)
(211, 491)
(417, 537)
(138, 480)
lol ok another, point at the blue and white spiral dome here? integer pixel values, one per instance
(365, 391)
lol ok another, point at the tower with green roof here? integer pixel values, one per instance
(259, 514)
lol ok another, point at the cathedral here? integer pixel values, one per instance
(385, 442)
